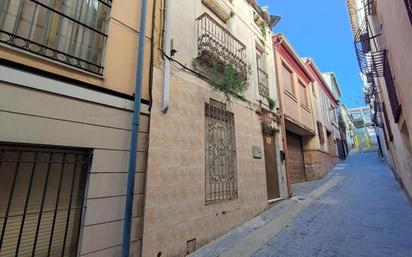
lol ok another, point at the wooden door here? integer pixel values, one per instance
(272, 179)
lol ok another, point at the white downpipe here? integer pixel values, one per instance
(166, 50)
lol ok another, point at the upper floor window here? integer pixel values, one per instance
(262, 74)
(68, 31)
(332, 109)
(303, 95)
(287, 78)
(314, 90)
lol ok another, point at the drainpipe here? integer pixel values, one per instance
(166, 50)
(134, 134)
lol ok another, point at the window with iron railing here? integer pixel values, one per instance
(215, 44)
(220, 144)
(68, 31)
(263, 80)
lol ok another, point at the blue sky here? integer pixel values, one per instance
(320, 29)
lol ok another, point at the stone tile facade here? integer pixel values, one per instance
(175, 209)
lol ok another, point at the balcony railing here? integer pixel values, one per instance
(73, 33)
(263, 82)
(215, 44)
(371, 62)
(370, 7)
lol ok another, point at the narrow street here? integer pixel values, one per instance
(358, 210)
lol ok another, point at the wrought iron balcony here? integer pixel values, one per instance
(371, 62)
(72, 33)
(215, 44)
(370, 7)
(263, 82)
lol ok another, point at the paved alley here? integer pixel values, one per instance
(358, 210)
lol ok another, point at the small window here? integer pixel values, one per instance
(314, 88)
(321, 133)
(303, 95)
(287, 78)
(221, 178)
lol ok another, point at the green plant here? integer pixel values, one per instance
(194, 63)
(268, 130)
(232, 13)
(263, 29)
(227, 79)
(262, 41)
(271, 103)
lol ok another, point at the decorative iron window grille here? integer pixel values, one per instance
(215, 44)
(221, 179)
(41, 200)
(390, 87)
(263, 82)
(408, 4)
(72, 32)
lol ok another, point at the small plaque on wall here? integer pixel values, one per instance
(257, 152)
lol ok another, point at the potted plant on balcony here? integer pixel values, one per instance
(230, 80)
(268, 124)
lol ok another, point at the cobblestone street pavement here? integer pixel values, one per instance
(358, 210)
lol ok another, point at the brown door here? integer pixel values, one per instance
(272, 179)
(295, 163)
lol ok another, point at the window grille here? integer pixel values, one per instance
(41, 200)
(71, 31)
(221, 180)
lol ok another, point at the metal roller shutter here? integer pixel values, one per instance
(295, 162)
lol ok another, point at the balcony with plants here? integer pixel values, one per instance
(261, 16)
(224, 56)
